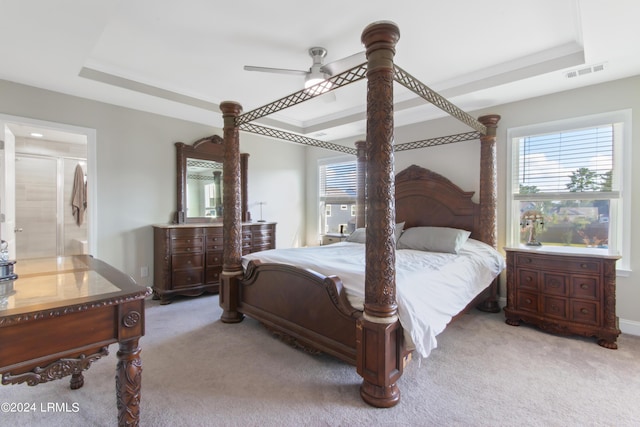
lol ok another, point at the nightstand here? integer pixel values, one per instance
(330, 238)
(563, 290)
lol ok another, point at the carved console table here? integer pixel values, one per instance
(62, 315)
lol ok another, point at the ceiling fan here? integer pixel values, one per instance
(319, 71)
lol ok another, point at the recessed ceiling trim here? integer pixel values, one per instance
(547, 61)
(113, 80)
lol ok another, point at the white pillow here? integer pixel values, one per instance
(433, 239)
(359, 235)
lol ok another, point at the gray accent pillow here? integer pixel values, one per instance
(359, 235)
(433, 239)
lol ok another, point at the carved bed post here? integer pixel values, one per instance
(488, 198)
(361, 188)
(231, 216)
(244, 182)
(378, 333)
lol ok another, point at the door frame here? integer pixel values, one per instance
(92, 169)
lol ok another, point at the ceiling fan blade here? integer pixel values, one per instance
(340, 65)
(276, 70)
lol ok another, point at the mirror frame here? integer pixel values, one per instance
(208, 148)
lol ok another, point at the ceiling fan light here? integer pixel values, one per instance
(312, 81)
(317, 83)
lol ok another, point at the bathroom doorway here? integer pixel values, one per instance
(52, 165)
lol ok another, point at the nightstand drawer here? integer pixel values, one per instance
(585, 312)
(555, 307)
(527, 279)
(527, 301)
(564, 264)
(555, 284)
(585, 287)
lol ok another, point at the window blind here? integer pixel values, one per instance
(338, 182)
(569, 161)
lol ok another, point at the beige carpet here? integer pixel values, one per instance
(198, 371)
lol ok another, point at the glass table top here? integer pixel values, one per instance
(54, 280)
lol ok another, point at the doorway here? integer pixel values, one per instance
(37, 219)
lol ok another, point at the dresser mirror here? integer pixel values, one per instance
(200, 181)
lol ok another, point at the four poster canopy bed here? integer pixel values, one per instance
(353, 309)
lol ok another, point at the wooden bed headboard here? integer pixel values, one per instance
(425, 198)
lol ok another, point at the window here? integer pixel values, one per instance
(567, 185)
(338, 181)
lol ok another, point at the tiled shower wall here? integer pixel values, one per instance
(44, 185)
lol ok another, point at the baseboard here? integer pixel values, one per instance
(630, 327)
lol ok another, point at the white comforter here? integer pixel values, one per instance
(431, 287)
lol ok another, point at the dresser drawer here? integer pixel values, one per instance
(214, 258)
(214, 241)
(585, 287)
(193, 244)
(184, 278)
(555, 284)
(213, 274)
(262, 233)
(585, 312)
(527, 301)
(555, 307)
(186, 233)
(527, 279)
(262, 247)
(186, 261)
(565, 264)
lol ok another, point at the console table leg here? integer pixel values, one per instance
(128, 383)
(77, 381)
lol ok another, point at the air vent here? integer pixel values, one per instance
(584, 71)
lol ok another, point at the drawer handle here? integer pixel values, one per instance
(554, 284)
(584, 286)
(529, 279)
(584, 311)
(584, 265)
(528, 260)
(528, 301)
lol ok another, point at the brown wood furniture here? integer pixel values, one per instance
(63, 315)
(282, 296)
(563, 291)
(187, 258)
(312, 308)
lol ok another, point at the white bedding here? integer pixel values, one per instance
(431, 287)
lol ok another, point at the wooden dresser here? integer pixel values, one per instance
(187, 258)
(563, 291)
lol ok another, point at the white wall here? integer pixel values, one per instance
(460, 162)
(136, 170)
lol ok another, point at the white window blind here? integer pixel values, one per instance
(574, 161)
(338, 182)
